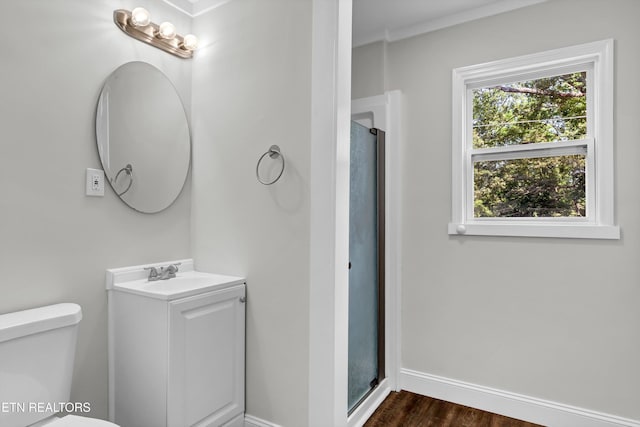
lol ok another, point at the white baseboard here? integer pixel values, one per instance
(509, 404)
(251, 421)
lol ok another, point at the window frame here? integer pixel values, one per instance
(597, 60)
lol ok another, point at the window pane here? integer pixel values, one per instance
(536, 187)
(543, 110)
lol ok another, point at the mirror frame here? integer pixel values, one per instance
(106, 145)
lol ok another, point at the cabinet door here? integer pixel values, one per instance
(206, 358)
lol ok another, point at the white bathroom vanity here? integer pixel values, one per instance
(176, 348)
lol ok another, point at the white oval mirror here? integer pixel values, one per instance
(143, 137)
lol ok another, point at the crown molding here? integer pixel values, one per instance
(193, 8)
(395, 34)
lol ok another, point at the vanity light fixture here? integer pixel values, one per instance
(138, 25)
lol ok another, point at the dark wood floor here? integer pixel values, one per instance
(406, 409)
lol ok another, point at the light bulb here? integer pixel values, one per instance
(167, 31)
(190, 42)
(140, 17)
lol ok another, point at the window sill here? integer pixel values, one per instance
(557, 230)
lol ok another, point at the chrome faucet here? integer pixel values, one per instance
(169, 271)
(153, 274)
(164, 273)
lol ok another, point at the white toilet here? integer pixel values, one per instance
(37, 349)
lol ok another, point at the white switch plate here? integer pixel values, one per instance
(95, 182)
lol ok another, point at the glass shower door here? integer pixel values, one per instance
(366, 264)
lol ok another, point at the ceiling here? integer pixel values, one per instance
(391, 20)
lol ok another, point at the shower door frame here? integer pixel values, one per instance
(382, 204)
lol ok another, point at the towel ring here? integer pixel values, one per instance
(129, 171)
(274, 153)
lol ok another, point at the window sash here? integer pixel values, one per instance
(532, 151)
(587, 67)
(535, 73)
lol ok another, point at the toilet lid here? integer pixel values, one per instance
(76, 421)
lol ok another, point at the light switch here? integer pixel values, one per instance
(95, 182)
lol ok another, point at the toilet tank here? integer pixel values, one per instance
(37, 348)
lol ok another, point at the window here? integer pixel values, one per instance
(533, 145)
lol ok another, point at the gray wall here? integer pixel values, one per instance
(55, 243)
(369, 68)
(252, 89)
(550, 318)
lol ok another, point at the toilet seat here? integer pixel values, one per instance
(76, 421)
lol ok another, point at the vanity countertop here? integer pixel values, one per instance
(186, 283)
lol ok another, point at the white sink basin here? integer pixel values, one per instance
(186, 283)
